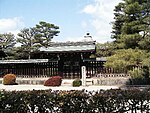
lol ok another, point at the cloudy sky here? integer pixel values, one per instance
(74, 17)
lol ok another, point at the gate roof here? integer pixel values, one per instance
(23, 61)
(70, 47)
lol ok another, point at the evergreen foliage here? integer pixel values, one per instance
(131, 28)
(45, 32)
(131, 31)
(126, 57)
(33, 38)
(27, 41)
(76, 83)
(8, 41)
(104, 50)
(102, 101)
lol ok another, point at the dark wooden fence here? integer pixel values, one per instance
(97, 69)
(45, 69)
(52, 68)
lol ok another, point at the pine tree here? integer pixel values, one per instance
(45, 32)
(33, 38)
(131, 27)
(27, 41)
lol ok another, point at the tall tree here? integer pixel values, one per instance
(33, 38)
(45, 32)
(27, 41)
(119, 19)
(131, 31)
(131, 27)
(7, 43)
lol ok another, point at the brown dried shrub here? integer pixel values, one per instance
(9, 79)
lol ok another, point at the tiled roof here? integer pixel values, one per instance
(70, 46)
(23, 61)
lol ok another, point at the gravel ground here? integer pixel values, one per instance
(41, 87)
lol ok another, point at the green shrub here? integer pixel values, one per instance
(77, 83)
(9, 79)
(53, 81)
(102, 101)
(138, 77)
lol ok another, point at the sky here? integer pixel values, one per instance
(74, 17)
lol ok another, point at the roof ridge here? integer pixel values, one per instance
(55, 44)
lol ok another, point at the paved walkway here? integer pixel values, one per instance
(41, 87)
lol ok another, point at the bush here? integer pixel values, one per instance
(138, 77)
(9, 79)
(102, 101)
(53, 81)
(77, 83)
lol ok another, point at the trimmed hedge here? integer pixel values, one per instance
(48, 101)
(76, 83)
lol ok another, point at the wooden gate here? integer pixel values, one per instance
(71, 69)
(93, 67)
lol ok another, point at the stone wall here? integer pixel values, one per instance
(110, 81)
(33, 81)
